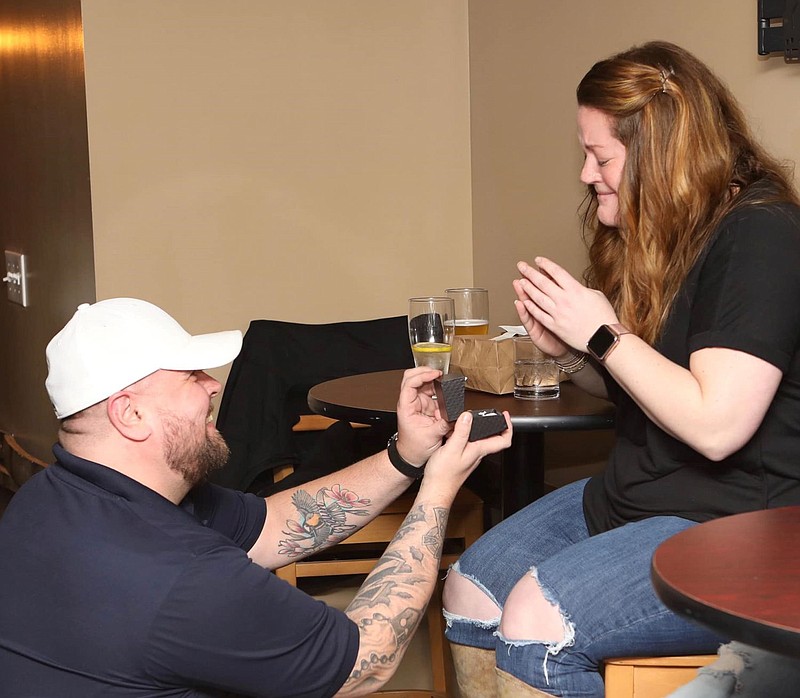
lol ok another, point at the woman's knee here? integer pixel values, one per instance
(529, 615)
(464, 597)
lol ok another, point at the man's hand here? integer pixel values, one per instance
(452, 464)
(419, 422)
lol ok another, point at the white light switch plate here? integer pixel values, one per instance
(16, 278)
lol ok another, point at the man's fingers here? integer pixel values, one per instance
(417, 377)
(416, 382)
(460, 435)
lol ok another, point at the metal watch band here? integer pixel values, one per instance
(412, 471)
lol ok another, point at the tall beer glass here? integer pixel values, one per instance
(472, 310)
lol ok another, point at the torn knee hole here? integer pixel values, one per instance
(530, 614)
(464, 597)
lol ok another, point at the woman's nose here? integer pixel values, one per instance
(588, 172)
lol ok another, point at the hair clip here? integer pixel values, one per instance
(665, 76)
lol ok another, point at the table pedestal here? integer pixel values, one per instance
(523, 472)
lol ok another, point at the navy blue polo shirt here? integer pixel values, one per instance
(108, 589)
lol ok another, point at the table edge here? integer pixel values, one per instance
(537, 423)
(765, 635)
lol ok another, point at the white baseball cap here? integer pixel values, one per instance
(111, 344)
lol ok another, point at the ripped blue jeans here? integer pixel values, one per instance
(600, 583)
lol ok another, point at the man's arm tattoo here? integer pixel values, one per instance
(321, 521)
(391, 594)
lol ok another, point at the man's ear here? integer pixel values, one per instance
(126, 416)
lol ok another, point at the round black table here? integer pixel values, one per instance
(371, 398)
(739, 575)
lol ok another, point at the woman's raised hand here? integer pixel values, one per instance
(558, 305)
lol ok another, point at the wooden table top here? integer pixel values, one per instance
(372, 398)
(739, 575)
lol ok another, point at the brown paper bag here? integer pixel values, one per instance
(487, 364)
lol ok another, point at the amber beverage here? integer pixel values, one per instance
(472, 311)
(471, 328)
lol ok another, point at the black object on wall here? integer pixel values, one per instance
(779, 28)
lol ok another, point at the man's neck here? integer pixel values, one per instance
(133, 461)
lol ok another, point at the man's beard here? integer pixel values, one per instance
(190, 454)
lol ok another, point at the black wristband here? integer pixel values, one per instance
(412, 471)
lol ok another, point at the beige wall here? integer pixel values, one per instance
(314, 160)
(303, 161)
(526, 59)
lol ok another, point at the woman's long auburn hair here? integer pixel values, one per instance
(690, 159)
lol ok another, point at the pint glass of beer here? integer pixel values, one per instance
(472, 310)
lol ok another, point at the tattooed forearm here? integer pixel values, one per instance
(385, 581)
(321, 521)
(434, 538)
(414, 516)
(390, 604)
(380, 631)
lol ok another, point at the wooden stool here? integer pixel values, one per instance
(651, 677)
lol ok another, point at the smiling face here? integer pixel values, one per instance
(604, 161)
(192, 445)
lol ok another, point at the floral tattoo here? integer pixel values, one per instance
(322, 520)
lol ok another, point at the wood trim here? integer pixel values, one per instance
(650, 677)
(318, 422)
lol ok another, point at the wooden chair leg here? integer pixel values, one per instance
(288, 573)
(436, 635)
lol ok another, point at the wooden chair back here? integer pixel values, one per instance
(16, 467)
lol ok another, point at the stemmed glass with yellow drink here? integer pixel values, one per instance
(472, 310)
(431, 324)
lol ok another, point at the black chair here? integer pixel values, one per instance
(265, 396)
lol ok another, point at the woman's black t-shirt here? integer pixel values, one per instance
(743, 294)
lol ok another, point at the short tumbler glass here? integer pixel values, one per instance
(535, 373)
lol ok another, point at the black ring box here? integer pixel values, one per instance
(449, 391)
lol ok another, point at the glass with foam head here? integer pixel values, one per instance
(535, 373)
(431, 324)
(472, 310)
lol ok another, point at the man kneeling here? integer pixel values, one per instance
(126, 573)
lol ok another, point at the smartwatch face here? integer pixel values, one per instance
(601, 342)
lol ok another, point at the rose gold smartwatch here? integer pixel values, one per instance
(605, 340)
